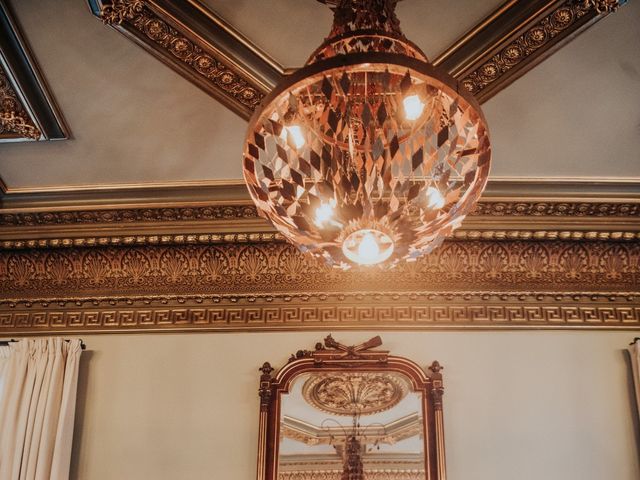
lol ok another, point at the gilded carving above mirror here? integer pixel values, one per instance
(343, 412)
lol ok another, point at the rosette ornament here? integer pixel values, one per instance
(368, 154)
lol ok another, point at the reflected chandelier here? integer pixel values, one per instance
(368, 154)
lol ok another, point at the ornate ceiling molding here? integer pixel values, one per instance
(27, 109)
(224, 214)
(271, 286)
(517, 37)
(198, 45)
(355, 393)
(210, 53)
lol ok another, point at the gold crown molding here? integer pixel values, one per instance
(354, 311)
(255, 286)
(241, 238)
(520, 37)
(28, 111)
(237, 268)
(249, 211)
(23, 227)
(502, 47)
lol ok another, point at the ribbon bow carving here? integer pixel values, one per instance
(354, 350)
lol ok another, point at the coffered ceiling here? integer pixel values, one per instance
(135, 122)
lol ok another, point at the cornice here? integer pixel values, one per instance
(208, 52)
(257, 286)
(221, 213)
(28, 111)
(411, 311)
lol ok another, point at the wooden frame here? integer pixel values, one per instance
(336, 357)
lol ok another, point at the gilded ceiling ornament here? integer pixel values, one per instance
(20, 124)
(120, 10)
(603, 6)
(349, 394)
(13, 118)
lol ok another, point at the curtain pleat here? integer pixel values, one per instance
(37, 409)
(634, 353)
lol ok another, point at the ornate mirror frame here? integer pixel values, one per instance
(336, 357)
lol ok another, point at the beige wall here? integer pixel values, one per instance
(518, 405)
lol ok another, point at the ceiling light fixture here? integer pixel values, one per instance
(368, 154)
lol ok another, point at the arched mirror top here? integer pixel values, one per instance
(341, 412)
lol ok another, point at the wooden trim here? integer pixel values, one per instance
(35, 115)
(210, 53)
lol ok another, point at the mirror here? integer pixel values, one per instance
(350, 413)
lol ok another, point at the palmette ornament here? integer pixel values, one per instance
(368, 155)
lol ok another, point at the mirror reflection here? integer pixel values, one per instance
(351, 426)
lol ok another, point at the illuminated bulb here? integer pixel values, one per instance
(434, 198)
(368, 250)
(367, 247)
(413, 107)
(296, 134)
(324, 213)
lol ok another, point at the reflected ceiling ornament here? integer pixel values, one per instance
(367, 154)
(352, 394)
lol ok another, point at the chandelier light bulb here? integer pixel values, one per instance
(413, 107)
(434, 198)
(324, 214)
(368, 250)
(296, 135)
(369, 154)
(368, 247)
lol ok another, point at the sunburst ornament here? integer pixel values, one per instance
(368, 154)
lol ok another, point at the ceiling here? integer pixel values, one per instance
(296, 407)
(134, 121)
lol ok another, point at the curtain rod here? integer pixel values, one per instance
(5, 343)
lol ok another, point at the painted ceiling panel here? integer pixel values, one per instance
(578, 113)
(289, 30)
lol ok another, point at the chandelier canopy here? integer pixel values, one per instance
(367, 154)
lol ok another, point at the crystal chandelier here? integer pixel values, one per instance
(368, 154)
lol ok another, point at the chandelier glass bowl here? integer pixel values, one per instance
(368, 154)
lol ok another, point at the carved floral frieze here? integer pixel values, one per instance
(279, 267)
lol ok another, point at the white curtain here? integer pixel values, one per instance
(4, 361)
(634, 353)
(37, 406)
